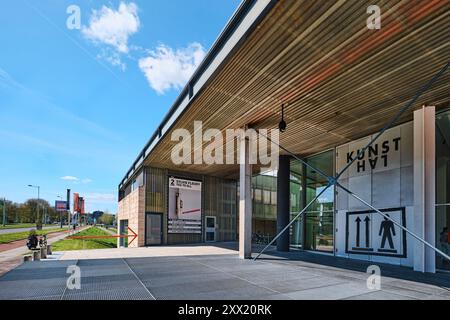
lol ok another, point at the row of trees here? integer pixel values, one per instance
(107, 219)
(27, 212)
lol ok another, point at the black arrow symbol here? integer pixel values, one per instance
(358, 223)
(367, 221)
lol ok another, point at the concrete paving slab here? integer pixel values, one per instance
(184, 280)
(302, 284)
(330, 292)
(414, 294)
(419, 287)
(214, 276)
(145, 252)
(135, 293)
(379, 295)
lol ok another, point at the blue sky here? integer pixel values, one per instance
(77, 105)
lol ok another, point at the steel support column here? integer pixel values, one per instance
(283, 201)
(425, 187)
(245, 200)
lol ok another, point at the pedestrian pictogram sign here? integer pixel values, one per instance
(370, 233)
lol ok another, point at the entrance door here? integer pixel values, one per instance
(210, 229)
(153, 229)
(123, 230)
(319, 218)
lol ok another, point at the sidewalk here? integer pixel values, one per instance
(14, 230)
(146, 252)
(22, 243)
(13, 256)
(206, 272)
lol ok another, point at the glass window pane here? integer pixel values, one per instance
(443, 187)
(320, 217)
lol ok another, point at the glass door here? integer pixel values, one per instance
(319, 222)
(123, 231)
(153, 229)
(210, 229)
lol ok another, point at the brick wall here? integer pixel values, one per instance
(132, 208)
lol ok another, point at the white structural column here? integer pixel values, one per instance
(245, 200)
(424, 188)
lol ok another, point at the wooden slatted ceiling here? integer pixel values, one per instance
(340, 80)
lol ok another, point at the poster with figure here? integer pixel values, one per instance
(185, 206)
(369, 233)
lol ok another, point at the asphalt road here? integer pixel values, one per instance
(6, 231)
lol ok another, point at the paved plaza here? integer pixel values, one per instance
(215, 272)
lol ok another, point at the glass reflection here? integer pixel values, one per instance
(315, 230)
(443, 187)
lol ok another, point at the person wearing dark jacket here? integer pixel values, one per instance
(32, 240)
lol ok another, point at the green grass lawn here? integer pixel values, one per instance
(85, 244)
(9, 237)
(19, 225)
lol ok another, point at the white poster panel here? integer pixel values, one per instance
(382, 176)
(370, 233)
(185, 206)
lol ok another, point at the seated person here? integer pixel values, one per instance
(32, 240)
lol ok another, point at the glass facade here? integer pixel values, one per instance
(443, 187)
(315, 231)
(264, 221)
(319, 233)
(297, 204)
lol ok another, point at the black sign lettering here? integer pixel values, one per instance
(361, 166)
(373, 150)
(361, 154)
(385, 146)
(367, 221)
(349, 157)
(373, 154)
(384, 157)
(396, 143)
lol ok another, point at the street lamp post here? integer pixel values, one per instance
(60, 216)
(4, 211)
(38, 204)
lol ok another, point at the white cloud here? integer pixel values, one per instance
(113, 27)
(113, 58)
(69, 178)
(100, 197)
(167, 69)
(76, 180)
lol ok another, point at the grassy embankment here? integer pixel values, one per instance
(85, 244)
(19, 225)
(10, 237)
